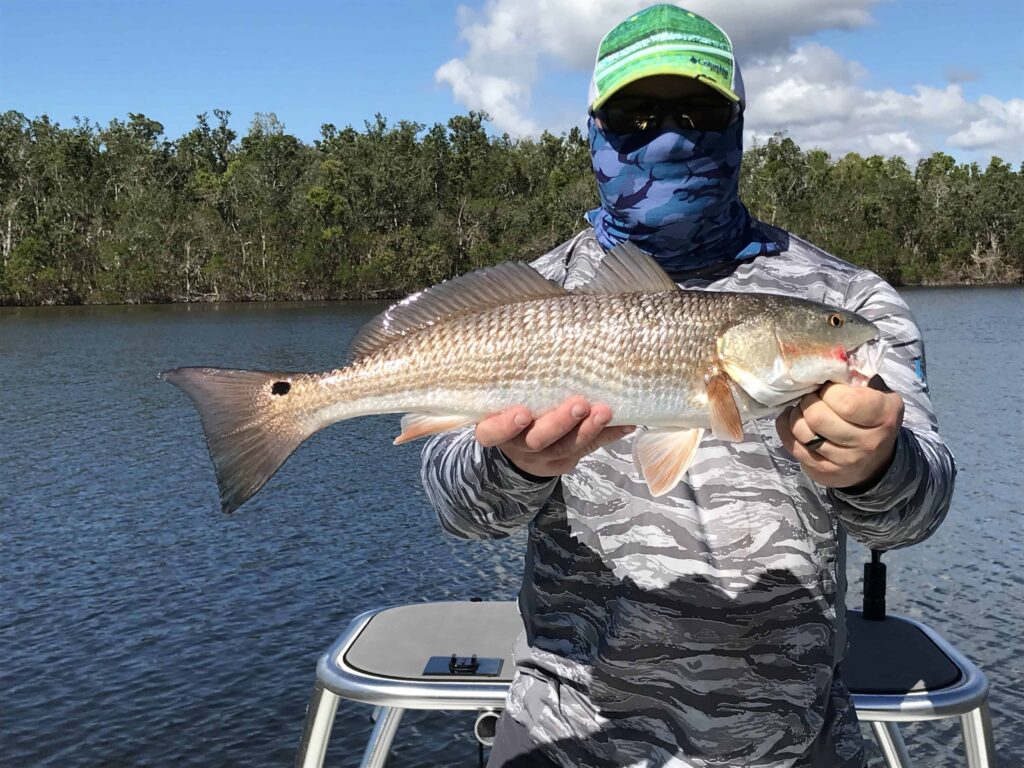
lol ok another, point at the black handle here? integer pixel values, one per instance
(874, 587)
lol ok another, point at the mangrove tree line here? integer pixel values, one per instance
(92, 214)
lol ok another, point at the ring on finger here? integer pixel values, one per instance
(814, 443)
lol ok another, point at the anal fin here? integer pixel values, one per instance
(664, 455)
(416, 425)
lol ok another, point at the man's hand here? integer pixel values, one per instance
(552, 444)
(859, 426)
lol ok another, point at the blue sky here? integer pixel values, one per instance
(922, 41)
(843, 74)
(310, 62)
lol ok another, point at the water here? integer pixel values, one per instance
(141, 627)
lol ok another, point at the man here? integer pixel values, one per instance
(706, 627)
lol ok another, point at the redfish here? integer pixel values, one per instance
(678, 362)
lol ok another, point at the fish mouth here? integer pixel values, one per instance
(860, 364)
(865, 361)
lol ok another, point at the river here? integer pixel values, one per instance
(142, 627)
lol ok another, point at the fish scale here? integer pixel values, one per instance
(544, 351)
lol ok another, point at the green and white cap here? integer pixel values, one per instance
(665, 40)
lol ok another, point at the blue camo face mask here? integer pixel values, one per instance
(675, 194)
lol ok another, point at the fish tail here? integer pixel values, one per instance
(251, 424)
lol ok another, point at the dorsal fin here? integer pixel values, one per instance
(509, 283)
(627, 269)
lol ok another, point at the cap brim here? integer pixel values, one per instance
(661, 68)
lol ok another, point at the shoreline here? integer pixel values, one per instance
(390, 297)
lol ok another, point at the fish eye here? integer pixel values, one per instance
(836, 320)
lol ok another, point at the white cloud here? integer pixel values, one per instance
(994, 124)
(818, 99)
(806, 89)
(499, 96)
(957, 74)
(510, 41)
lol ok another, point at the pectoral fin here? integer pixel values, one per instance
(416, 425)
(664, 455)
(726, 423)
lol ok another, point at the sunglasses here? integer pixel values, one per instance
(635, 114)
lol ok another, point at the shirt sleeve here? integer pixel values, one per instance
(911, 499)
(475, 491)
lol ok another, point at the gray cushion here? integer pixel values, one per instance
(398, 642)
(893, 656)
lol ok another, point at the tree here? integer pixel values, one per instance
(124, 214)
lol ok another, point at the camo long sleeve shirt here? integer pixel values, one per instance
(702, 628)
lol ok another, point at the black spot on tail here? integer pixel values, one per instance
(248, 441)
